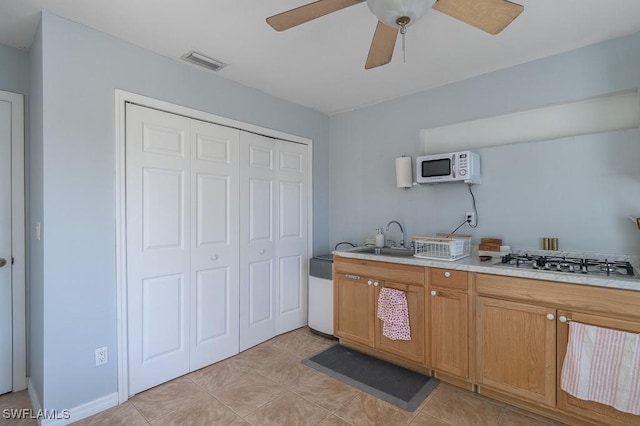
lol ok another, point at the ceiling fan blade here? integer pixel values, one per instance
(491, 16)
(300, 15)
(382, 46)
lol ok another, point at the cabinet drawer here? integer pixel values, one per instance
(407, 274)
(449, 279)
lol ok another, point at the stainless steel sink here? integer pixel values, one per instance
(384, 251)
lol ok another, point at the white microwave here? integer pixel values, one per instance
(461, 166)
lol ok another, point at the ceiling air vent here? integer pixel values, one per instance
(204, 61)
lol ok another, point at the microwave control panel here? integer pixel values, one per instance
(463, 165)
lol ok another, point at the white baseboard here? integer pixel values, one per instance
(33, 396)
(74, 414)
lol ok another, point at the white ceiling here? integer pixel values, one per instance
(321, 64)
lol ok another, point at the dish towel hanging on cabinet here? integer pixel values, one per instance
(394, 313)
(603, 365)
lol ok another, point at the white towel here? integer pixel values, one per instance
(603, 365)
(394, 313)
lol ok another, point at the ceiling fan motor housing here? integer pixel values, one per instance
(388, 11)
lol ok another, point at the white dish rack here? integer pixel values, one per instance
(443, 246)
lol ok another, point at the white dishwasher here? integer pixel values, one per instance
(321, 295)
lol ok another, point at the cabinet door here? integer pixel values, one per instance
(450, 332)
(517, 349)
(413, 349)
(353, 308)
(603, 414)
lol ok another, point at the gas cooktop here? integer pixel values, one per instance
(598, 267)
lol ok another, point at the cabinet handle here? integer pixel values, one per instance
(261, 251)
(551, 317)
(352, 277)
(434, 293)
(447, 274)
(376, 283)
(369, 282)
(564, 319)
(214, 257)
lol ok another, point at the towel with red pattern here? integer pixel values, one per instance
(603, 365)
(394, 313)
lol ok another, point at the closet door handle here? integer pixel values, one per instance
(447, 274)
(551, 317)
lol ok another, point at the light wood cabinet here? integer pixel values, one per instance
(449, 322)
(521, 327)
(602, 414)
(500, 333)
(357, 285)
(353, 308)
(413, 349)
(516, 349)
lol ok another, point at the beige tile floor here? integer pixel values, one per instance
(268, 385)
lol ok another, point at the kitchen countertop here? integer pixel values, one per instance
(473, 264)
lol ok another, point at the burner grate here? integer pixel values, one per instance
(568, 264)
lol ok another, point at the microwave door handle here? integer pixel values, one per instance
(453, 166)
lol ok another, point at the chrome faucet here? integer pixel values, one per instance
(401, 230)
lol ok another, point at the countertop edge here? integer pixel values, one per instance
(473, 264)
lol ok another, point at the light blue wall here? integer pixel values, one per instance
(82, 67)
(14, 70)
(579, 189)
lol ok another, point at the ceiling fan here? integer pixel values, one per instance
(395, 16)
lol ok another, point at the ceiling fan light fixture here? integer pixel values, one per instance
(388, 11)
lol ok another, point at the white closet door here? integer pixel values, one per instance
(292, 257)
(215, 243)
(158, 244)
(6, 308)
(258, 230)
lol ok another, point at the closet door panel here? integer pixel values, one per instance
(215, 243)
(158, 244)
(258, 266)
(292, 243)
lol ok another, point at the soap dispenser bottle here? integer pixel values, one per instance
(379, 238)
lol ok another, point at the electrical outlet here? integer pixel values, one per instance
(471, 218)
(102, 356)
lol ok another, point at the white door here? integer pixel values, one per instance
(292, 257)
(258, 230)
(158, 150)
(215, 243)
(6, 338)
(273, 237)
(182, 245)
